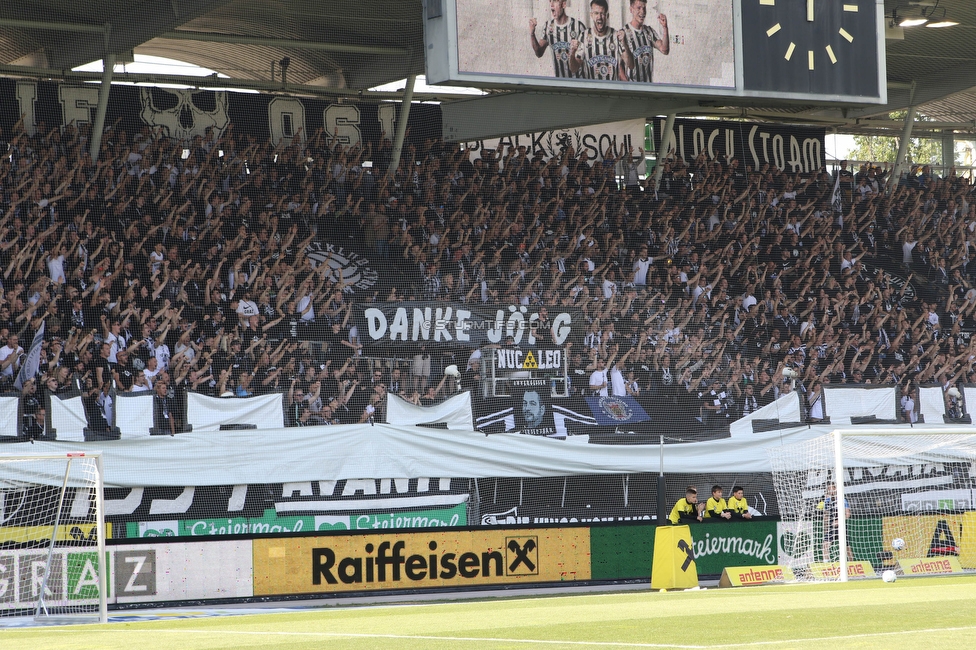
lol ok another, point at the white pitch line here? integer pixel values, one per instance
(418, 637)
(604, 644)
(866, 635)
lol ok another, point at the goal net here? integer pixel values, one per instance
(857, 503)
(49, 568)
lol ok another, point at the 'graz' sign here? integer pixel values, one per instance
(788, 148)
(449, 323)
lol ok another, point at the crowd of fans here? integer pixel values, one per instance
(169, 266)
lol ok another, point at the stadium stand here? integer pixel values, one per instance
(175, 273)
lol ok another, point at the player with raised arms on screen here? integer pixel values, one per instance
(557, 33)
(641, 41)
(602, 55)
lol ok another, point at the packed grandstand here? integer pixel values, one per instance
(174, 265)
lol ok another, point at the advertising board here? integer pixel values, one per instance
(336, 563)
(752, 576)
(177, 571)
(271, 523)
(73, 578)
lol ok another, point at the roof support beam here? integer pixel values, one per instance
(667, 140)
(401, 127)
(53, 27)
(284, 43)
(129, 29)
(213, 81)
(99, 126)
(906, 136)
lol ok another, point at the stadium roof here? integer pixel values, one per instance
(344, 48)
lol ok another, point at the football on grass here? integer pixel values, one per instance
(888, 576)
(898, 544)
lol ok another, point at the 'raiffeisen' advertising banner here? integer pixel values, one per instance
(326, 564)
(271, 522)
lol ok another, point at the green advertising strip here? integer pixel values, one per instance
(621, 552)
(271, 522)
(734, 543)
(627, 552)
(865, 536)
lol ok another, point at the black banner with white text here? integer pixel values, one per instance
(185, 113)
(794, 149)
(466, 325)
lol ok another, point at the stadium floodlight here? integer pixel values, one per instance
(54, 525)
(912, 22)
(942, 23)
(861, 495)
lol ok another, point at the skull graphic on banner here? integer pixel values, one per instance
(184, 113)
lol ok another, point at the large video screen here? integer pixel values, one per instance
(825, 51)
(639, 42)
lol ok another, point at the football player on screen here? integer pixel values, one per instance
(642, 40)
(557, 33)
(601, 55)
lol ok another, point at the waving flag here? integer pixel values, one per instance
(32, 362)
(835, 199)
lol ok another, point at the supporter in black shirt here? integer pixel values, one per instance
(124, 371)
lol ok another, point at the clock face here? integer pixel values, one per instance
(827, 47)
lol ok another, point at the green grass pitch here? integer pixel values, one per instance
(915, 614)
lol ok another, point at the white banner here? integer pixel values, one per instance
(842, 403)
(354, 451)
(9, 426)
(785, 409)
(969, 399)
(931, 404)
(594, 139)
(68, 418)
(209, 413)
(454, 412)
(134, 414)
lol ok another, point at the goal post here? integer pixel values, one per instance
(53, 563)
(847, 496)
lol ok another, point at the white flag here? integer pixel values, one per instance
(33, 360)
